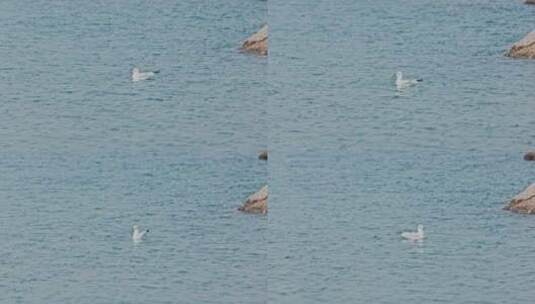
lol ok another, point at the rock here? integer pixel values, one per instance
(529, 156)
(524, 48)
(257, 202)
(523, 202)
(263, 155)
(257, 43)
(529, 2)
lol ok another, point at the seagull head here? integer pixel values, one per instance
(420, 228)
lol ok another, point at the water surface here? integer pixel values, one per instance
(85, 153)
(354, 163)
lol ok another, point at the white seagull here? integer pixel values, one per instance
(405, 83)
(137, 234)
(137, 75)
(414, 236)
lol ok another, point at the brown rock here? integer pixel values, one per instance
(530, 155)
(529, 2)
(524, 48)
(257, 202)
(263, 155)
(523, 202)
(257, 43)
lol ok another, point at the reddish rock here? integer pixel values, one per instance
(257, 202)
(257, 43)
(523, 202)
(524, 48)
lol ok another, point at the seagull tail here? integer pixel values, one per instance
(419, 79)
(156, 72)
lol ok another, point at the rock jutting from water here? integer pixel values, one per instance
(524, 48)
(529, 2)
(256, 202)
(529, 156)
(523, 202)
(263, 155)
(257, 43)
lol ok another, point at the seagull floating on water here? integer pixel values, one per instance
(405, 83)
(137, 234)
(414, 236)
(137, 75)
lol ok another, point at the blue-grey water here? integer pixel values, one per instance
(85, 153)
(353, 163)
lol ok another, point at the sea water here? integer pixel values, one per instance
(354, 162)
(85, 153)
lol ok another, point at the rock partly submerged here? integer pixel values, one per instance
(523, 202)
(257, 202)
(263, 155)
(257, 43)
(529, 156)
(524, 48)
(529, 2)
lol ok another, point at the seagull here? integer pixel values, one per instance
(405, 83)
(414, 236)
(137, 75)
(137, 234)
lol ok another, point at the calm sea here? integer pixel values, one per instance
(354, 163)
(85, 153)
